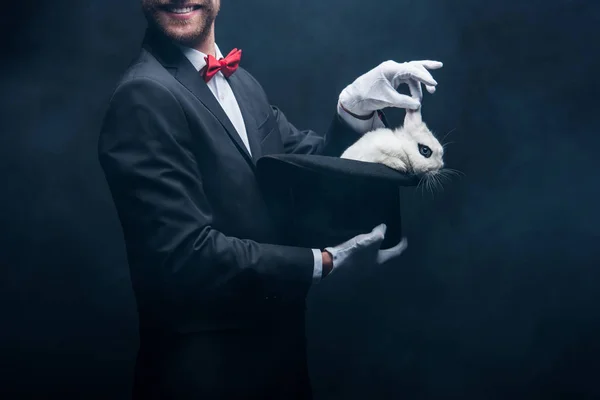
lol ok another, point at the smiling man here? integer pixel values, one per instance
(221, 300)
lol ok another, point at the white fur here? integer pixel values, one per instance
(399, 148)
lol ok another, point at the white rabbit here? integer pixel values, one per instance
(411, 149)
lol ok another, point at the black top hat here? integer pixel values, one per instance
(323, 201)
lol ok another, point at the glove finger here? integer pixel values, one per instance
(377, 234)
(403, 101)
(430, 89)
(385, 256)
(380, 229)
(366, 239)
(425, 76)
(430, 64)
(353, 242)
(416, 72)
(374, 238)
(403, 72)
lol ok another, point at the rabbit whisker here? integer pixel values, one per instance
(446, 144)
(452, 171)
(446, 135)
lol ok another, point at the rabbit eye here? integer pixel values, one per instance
(425, 151)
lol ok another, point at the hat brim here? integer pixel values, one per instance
(333, 167)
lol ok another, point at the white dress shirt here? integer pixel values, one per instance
(219, 86)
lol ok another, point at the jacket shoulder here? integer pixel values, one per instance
(146, 70)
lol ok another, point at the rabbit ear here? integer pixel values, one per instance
(413, 117)
(416, 92)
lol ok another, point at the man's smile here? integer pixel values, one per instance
(181, 11)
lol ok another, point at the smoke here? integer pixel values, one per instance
(497, 294)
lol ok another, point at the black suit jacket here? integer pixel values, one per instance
(203, 250)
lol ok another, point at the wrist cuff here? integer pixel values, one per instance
(361, 117)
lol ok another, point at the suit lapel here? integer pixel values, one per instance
(183, 70)
(190, 78)
(244, 101)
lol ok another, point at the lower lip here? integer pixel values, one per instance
(184, 16)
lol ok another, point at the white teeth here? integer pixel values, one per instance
(182, 10)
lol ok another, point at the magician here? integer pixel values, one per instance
(222, 304)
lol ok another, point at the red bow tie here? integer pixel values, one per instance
(227, 65)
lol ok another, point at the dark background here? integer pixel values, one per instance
(498, 295)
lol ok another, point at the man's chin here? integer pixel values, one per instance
(184, 35)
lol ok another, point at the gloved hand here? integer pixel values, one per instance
(365, 250)
(377, 89)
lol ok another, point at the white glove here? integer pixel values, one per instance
(376, 89)
(365, 250)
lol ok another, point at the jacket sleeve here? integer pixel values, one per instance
(338, 138)
(145, 153)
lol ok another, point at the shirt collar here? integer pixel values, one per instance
(197, 58)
